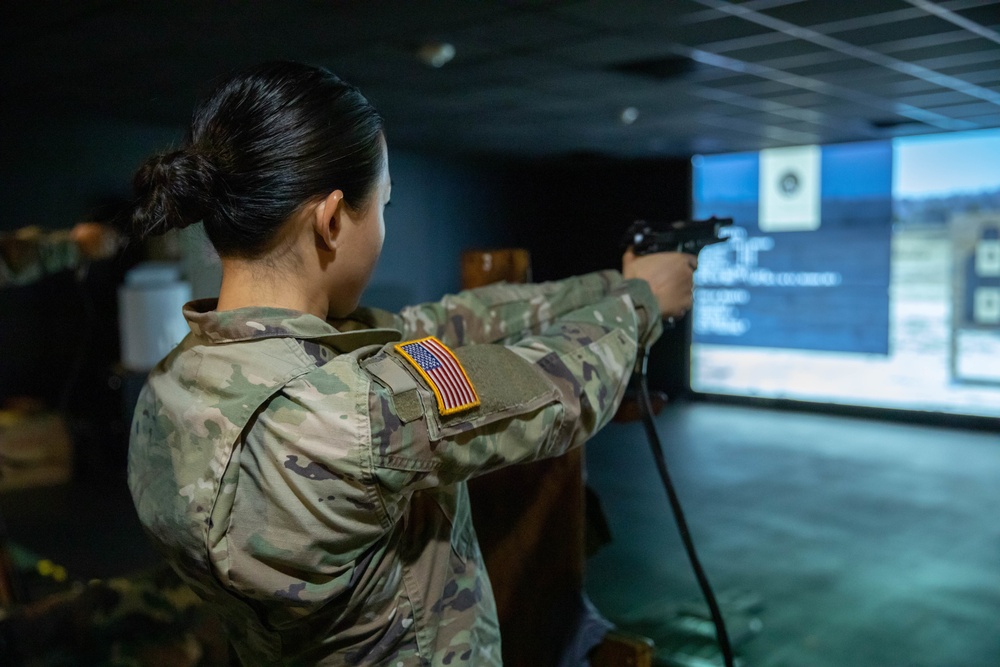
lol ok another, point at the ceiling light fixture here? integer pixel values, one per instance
(628, 115)
(436, 54)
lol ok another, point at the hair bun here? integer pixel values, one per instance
(173, 190)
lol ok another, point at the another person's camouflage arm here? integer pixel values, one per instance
(541, 396)
(30, 254)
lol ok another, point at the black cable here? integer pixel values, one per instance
(722, 636)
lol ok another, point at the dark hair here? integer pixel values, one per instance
(267, 140)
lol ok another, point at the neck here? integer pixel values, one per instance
(249, 284)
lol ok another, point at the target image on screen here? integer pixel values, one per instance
(859, 274)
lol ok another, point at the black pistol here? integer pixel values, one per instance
(688, 236)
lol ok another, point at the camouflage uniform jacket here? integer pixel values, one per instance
(300, 477)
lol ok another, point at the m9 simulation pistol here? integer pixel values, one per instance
(688, 236)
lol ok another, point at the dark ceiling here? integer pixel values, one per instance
(534, 78)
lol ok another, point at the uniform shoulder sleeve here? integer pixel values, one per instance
(535, 398)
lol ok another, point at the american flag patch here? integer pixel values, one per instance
(443, 372)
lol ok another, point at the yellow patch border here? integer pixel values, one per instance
(433, 385)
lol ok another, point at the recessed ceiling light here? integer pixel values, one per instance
(628, 115)
(436, 54)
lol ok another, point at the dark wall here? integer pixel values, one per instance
(59, 336)
(439, 208)
(572, 213)
(55, 172)
(59, 339)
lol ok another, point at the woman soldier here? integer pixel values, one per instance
(307, 476)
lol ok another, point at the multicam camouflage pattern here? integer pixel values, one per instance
(299, 477)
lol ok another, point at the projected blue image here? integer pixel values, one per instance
(813, 275)
(957, 209)
(861, 274)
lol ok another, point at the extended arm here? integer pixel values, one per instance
(541, 396)
(505, 312)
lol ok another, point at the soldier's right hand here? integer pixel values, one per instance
(670, 275)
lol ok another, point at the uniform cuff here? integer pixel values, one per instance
(647, 311)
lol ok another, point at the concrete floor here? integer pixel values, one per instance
(869, 543)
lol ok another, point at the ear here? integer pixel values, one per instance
(327, 220)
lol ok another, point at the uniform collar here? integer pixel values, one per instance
(254, 323)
